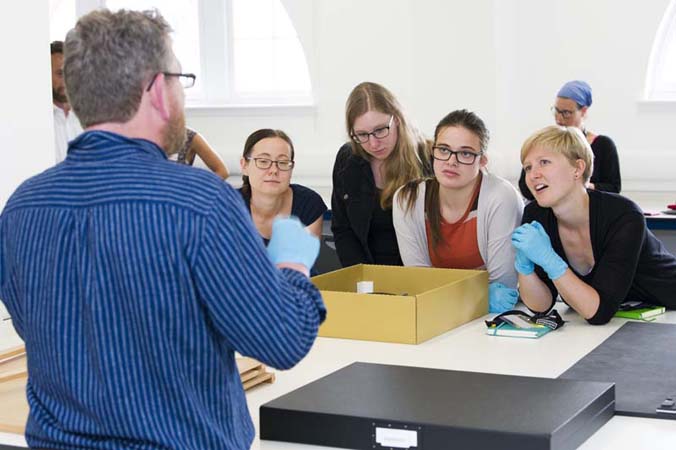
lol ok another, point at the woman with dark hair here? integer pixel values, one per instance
(267, 164)
(463, 217)
(385, 152)
(570, 110)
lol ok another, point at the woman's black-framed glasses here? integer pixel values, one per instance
(378, 133)
(187, 80)
(266, 163)
(466, 157)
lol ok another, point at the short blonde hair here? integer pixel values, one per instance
(568, 141)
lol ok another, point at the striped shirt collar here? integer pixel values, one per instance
(97, 145)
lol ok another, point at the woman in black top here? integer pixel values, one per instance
(267, 164)
(386, 151)
(572, 103)
(590, 247)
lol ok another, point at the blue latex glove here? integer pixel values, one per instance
(501, 298)
(292, 243)
(522, 264)
(533, 241)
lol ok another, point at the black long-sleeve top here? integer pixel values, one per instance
(605, 174)
(630, 262)
(363, 232)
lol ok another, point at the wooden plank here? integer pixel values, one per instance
(246, 376)
(10, 367)
(14, 410)
(12, 354)
(264, 378)
(13, 375)
(247, 364)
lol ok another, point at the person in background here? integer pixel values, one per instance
(572, 104)
(267, 165)
(195, 144)
(386, 151)
(463, 217)
(588, 246)
(66, 124)
(133, 280)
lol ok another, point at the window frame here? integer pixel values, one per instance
(654, 91)
(216, 65)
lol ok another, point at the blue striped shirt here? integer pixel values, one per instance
(132, 280)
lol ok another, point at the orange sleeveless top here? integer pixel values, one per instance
(458, 247)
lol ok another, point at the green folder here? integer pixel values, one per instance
(646, 313)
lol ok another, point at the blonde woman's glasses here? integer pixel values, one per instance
(379, 133)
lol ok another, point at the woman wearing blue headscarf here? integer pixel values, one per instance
(570, 109)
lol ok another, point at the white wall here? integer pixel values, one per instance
(505, 59)
(605, 42)
(26, 131)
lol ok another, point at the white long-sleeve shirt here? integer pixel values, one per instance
(499, 213)
(66, 128)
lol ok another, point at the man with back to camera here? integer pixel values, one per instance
(66, 124)
(132, 279)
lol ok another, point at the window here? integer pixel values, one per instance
(182, 15)
(267, 56)
(661, 76)
(244, 52)
(61, 18)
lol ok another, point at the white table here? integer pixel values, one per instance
(468, 348)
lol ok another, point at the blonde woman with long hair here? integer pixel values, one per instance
(385, 152)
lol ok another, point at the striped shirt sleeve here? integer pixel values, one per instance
(259, 311)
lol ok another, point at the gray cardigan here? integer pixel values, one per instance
(499, 213)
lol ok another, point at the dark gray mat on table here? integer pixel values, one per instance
(640, 358)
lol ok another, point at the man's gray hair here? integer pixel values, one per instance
(110, 58)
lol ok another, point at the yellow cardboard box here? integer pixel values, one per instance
(426, 302)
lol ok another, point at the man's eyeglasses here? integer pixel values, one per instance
(462, 156)
(378, 133)
(266, 163)
(565, 113)
(187, 80)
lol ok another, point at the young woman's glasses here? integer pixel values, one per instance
(565, 113)
(442, 153)
(266, 163)
(379, 133)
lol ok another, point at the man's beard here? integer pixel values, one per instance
(174, 135)
(59, 96)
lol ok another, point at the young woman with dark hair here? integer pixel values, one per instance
(463, 217)
(267, 164)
